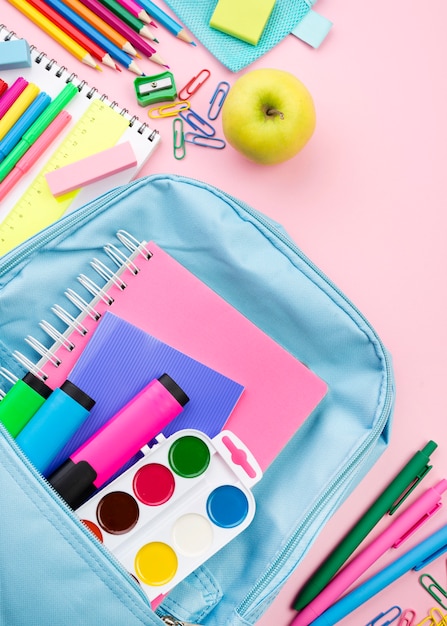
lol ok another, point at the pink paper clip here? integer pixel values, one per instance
(407, 618)
(386, 617)
(193, 85)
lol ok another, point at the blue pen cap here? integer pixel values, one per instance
(54, 424)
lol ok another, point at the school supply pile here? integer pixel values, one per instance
(200, 227)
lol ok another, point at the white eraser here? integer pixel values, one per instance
(91, 169)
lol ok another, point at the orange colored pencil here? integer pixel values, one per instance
(105, 29)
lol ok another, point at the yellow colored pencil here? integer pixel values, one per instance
(54, 32)
(17, 109)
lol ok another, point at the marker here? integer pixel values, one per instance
(14, 135)
(54, 424)
(28, 95)
(22, 401)
(3, 87)
(415, 559)
(37, 128)
(113, 445)
(392, 537)
(388, 502)
(34, 153)
(11, 95)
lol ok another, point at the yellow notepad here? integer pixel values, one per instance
(243, 19)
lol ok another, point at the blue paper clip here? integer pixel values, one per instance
(407, 618)
(205, 141)
(221, 92)
(432, 587)
(193, 85)
(197, 123)
(178, 139)
(386, 617)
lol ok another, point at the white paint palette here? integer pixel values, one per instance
(176, 507)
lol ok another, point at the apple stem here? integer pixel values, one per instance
(274, 113)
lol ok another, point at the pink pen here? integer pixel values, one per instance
(392, 537)
(109, 449)
(11, 95)
(34, 153)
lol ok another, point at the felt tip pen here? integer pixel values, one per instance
(109, 449)
(393, 536)
(22, 401)
(11, 94)
(417, 558)
(37, 128)
(14, 135)
(388, 502)
(54, 424)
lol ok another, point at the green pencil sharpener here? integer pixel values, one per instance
(157, 88)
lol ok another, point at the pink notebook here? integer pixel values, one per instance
(166, 300)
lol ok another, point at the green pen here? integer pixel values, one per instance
(388, 502)
(37, 128)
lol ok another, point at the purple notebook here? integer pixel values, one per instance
(120, 359)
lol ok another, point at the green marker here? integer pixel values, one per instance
(21, 402)
(37, 128)
(388, 502)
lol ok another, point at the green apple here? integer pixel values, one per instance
(268, 115)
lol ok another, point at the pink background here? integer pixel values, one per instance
(365, 200)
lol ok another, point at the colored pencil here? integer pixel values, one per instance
(106, 29)
(165, 20)
(54, 32)
(96, 51)
(140, 44)
(136, 10)
(91, 32)
(133, 22)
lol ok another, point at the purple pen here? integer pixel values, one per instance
(11, 95)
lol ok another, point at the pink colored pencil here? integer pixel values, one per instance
(136, 10)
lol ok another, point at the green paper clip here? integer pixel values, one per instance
(433, 587)
(156, 88)
(178, 138)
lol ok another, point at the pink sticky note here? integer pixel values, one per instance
(91, 169)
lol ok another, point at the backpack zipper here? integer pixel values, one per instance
(171, 621)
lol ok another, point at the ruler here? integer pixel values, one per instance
(99, 128)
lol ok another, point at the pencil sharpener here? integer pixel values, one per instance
(157, 88)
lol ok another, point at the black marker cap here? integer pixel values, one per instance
(37, 385)
(77, 394)
(174, 389)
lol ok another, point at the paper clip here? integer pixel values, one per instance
(432, 587)
(221, 92)
(193, 85)
(434, 618)
(179, 138)
(205, 141)
(197, 123)
(168, 110)
(407, 618)
(386, 617)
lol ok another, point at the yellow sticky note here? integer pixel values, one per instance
(243, 19)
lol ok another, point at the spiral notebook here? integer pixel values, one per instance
(97, 123)
(153, 291)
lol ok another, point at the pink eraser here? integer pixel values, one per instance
(91, 169)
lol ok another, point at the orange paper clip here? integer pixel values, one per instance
(193, 85)
(168, 110)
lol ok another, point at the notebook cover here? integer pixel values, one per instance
(169, 302)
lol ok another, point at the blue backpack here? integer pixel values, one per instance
(53, 571)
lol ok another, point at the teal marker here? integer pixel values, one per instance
(37, 128)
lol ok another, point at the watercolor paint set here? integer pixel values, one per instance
(176, 507)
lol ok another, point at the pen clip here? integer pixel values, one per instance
(417, 525)
(407, 618)
(404, 495)
(434, 555)
(193, 85)
(179, 138)
(432, 587)
(390, 616)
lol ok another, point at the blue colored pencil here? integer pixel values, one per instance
(165, 20)
(85, 27)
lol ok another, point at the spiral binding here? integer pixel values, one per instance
(136, 251)
(50, 63)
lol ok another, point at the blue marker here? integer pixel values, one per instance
(14, 135)
(54, 424)
(418, 557)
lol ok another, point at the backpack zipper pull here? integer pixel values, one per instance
(171, 621)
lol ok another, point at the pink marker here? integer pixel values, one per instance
(109, 449)
(90, 169)
(34, 153)
(11, 95)
(398, 531)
